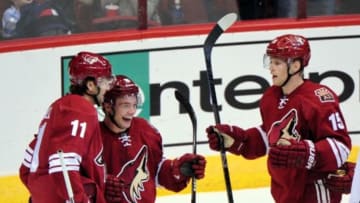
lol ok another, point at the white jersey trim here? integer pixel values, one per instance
(322, 193)
(340, 151)
(35, 160)
(71, 160)
(28, 157)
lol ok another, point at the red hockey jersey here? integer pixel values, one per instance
(136, 157)
(70, 125)
(317, 118)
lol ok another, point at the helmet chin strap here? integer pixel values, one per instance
(287, 79)
(289, 75)
(112, 117)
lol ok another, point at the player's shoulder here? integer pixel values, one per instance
(319, 92)
(74, 103)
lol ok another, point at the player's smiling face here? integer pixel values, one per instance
(125, 109)
(278, 71)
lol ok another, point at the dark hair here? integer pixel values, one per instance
(80, 89)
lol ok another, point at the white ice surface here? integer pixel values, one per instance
(260, 195)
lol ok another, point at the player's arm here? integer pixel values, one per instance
(71, 131)
(24, 169)
(72, 164)
(251, 143)
(332, 141)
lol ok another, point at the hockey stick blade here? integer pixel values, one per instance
(222, 25)
(189, 109)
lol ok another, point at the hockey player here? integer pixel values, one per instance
(71, 126)
(133, 152)
(303, 130)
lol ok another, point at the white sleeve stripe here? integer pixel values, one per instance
(35, 159)
(67, 162)
(29, 150)
(335, 151)
(71, 155)
(26, 163)
(28, 157)
(71, 160)
(264, 138)
(57, 169)
(322, 194)
(344, 151)
(340, 151)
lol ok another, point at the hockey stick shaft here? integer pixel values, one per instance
(223, 24)
(66, 177)
(189, 109)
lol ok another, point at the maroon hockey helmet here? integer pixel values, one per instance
(87, 64)
(122, 86)
(290, 46)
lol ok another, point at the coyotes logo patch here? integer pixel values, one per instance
(284, 128)
(324, 95)
(134, 174)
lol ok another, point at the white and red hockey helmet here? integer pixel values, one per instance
(289, 47)
(87, 64)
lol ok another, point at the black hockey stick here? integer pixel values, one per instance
(189, 109)
(223, 24)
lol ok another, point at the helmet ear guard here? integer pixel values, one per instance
(288, 47)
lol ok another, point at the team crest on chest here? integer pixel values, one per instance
(135, 174)
(284, 128)
(324, 95)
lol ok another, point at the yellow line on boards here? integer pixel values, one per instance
(243, 174)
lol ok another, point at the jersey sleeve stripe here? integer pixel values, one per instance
(71, 160)
(28, 156)
(322, 193)
(57, 169)
(340, 151)
(26, 163)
